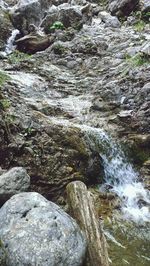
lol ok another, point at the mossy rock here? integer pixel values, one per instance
(3, 78)
(139, 148)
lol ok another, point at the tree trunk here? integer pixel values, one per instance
(82, 209)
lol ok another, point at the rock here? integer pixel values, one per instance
(35, 231)
(145, 6)
(31, 44)
(12, 182)
(125, 114)
(145, 171)
(3, 4)
(69, 16)
(122, 7)
(110, 21)
(29, 12)
(5, 28)
(146, 49)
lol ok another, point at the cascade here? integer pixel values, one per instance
(120, 175)
(10, 42)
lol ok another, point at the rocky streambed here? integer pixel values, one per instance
(74, 65)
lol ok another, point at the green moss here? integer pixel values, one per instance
(3, 78)
(4, 104)
(139, 26)
(17, 56)
(137, 60)
(59, 49)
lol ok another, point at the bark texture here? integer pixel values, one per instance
(82, 209)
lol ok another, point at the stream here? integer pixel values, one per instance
(129, 235)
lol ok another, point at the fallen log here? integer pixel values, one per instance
(31, 44)
(82, 209)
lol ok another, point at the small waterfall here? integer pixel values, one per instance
(10, 47)
(120, 175)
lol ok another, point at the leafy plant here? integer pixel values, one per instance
(57, 25)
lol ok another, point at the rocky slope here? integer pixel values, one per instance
(98, 75)
(94, 71)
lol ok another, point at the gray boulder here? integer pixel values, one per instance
(122, 7)
(110, 21)
(3, 5)
(28, 12)
(146, 49)
(70, 16)
(12, 182)
(146, 6)
(34, 231)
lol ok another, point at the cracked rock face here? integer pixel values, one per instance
(35, 231)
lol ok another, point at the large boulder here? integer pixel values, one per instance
(34, 231)
(110, 21)
(122, 7)
(69, 16)
(29, 12)
(14, 181)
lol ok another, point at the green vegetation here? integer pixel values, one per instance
(4, 104)
(17, 56)
(59, 49)
(139, 26)
(57, 25)
(146, 16)
(3, 77)
(29, 132)
(137, 60)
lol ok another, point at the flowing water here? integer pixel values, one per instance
(120, 176)
(128, 237)
(128, 244)
(10, 47)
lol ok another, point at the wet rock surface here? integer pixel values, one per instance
(35, 231)
(94, 73)
(97, 76)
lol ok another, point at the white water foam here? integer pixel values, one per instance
(120, 175)
(10, 47)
